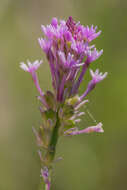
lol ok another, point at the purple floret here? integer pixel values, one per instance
(67, 47)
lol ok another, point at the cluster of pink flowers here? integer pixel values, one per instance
(69, 52)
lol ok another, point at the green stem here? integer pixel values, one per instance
(44, 186)
(49, 157)
(54, 138)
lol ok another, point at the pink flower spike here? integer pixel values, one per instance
(45, 176)
(54, 22)
(93, 55)
(97, 128)
(97, 77)
(80, 103)
(44, 44)
(30, 67)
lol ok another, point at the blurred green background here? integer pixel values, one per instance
(91, 162)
